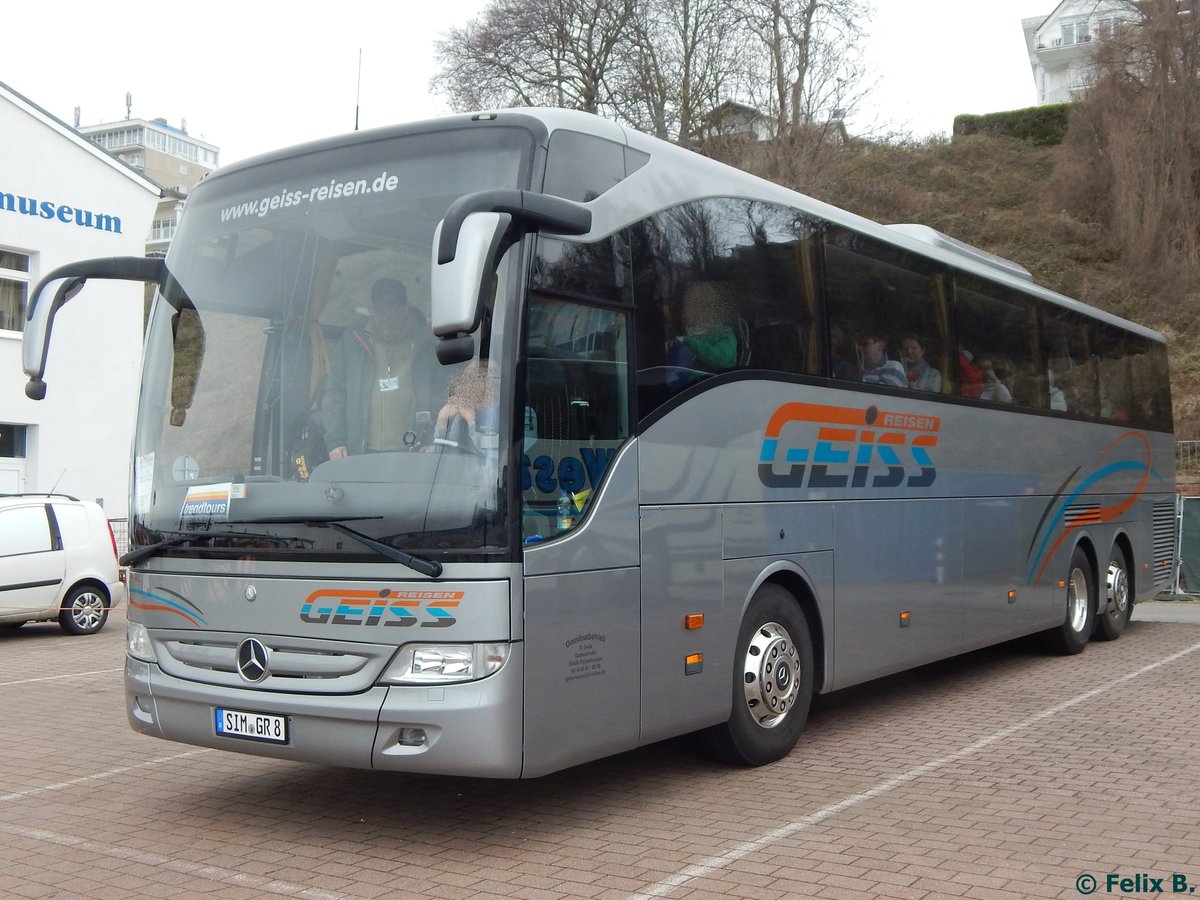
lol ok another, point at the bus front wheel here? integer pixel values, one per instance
(1072, 636)
(772, 682)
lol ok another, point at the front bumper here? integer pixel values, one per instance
(471, 729)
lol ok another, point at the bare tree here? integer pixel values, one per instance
(534, 53)
(682, 59)
(1134, 139)
(809, 53)
(663, 66)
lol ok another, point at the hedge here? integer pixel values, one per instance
(1041, 126)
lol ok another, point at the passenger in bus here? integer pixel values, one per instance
(970, 379)
(380, 376)
(921, 375)
(844, 362)
(994, 374)
(1079, 388)
(1058, 400)
(878, 368)
(708, 341)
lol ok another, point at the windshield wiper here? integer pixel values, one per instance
(133, 557)
(430, 567)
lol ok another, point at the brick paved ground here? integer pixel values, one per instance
(1001, 774)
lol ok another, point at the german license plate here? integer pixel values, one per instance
(251, 726)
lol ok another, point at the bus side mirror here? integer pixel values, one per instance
(35, 340)
(459, 286)
(468, 243)
(39, 320)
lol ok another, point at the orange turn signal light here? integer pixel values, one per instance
(692, 621)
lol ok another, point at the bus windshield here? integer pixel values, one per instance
(290, 388)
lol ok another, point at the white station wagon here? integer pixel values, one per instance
(58, 561)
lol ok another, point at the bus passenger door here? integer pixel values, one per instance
(579, 520)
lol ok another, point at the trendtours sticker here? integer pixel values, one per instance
(209, 502)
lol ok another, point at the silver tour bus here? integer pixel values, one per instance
(495, 444)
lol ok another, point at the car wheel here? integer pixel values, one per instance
(84, 611)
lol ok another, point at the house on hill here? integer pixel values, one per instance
(1061, 45)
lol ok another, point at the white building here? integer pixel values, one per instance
(62, 199)
(1061, 45)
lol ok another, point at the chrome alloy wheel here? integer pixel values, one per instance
(1077, 600)
(771, 672)
(87, 610)
(1118, 591)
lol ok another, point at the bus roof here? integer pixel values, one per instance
(676, 175)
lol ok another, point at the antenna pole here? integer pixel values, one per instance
(358, 89)
(56, 481)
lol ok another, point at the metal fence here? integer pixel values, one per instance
(120, 529)
(1187, 457)
(1187, 577)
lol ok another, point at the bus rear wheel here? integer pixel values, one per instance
(1118, 600)
(772, 682)
(1072, 636)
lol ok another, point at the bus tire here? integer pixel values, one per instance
(772, 682)
(1072, 636)
(1118, 601)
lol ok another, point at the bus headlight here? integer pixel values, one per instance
(444, 663)
(137, 642)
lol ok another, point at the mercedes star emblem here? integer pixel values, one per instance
(252, 657)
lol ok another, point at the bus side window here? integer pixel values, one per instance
(877, 290)
(576, 409)
(1068, 341)
(998, 338)
(1150, 380)
(719, 285)
(1116, 383)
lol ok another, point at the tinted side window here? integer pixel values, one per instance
(1150, 382)
(722, 284)
(1070, 347)
(24, 529)
(998, 355)
(582, 167)
(589, 271)
(576, 408)
(1116, 379)
(887, 315)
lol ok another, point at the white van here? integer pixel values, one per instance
(58, 560)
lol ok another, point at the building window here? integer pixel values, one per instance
(1075, 33)
(12, 441)
(14, 289)
(162, 230)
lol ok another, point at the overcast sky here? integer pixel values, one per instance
(256, 75)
